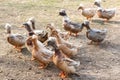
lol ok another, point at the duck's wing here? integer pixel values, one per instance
(75, 25)
(20, 38)
(90, 11)
(109, 12)
(71, 62)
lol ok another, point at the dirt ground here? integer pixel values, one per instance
(97, 62)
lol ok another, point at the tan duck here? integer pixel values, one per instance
(60, 40)
(41, 53)
(42, 35)
(17, 40)
(95, 35)
(64, 35)
(106, 14)
(70, 26)
(65, 64)
(68, 51)
(87, 12)
(65, 49)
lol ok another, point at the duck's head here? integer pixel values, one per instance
(62, 12)
(97, 3)
(50, 26)
(8, 28)
(27, 26)
(81, 6)
(31, 33)
(32, 20)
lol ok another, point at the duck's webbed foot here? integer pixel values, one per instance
(42, 66)
(32, 58)
(90, 43)
(63, 74)
(18, 48)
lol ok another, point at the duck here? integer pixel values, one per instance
(65, 64)
(60, 40)
(64, 35)
(28, 42)
(95, 35)
(87, 12)
(17, 40)
(70, 26)
(41, 53)
(42, 35)
(66, 47)
(106, 14)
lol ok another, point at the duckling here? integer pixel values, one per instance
(87, 12)
(42, 35)
(95, 35)
(106, 14)
(64, 35)
(17, 40)
(70, 26)
(65, 64)
(41, 53)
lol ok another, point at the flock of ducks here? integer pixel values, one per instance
(54, 47)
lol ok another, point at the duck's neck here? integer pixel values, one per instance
(66, 18)
(57, 51)
(33, 25)
(88, 27)
(59, 39)
(35, 45)
(9, 31)
(98, 5)
(27, 27)
(31, 33)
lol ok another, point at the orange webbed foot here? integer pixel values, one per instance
(62, 75)
(17, 48)
(32, 59)
(42, 66)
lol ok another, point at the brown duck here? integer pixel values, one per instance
(65, 64)
(70, 26)
(106, 14)
(17, 40)
(95, 35)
